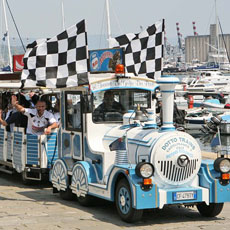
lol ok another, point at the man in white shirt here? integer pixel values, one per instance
(40, 121)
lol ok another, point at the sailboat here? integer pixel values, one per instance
(219, 52)
(5, 65)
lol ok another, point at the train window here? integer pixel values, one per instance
(73, 111)
(109, 106)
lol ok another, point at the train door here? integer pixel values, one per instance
(71, 136)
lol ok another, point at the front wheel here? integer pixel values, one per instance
(123, 201)
(210, 210)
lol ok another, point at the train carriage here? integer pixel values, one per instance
(30, 155)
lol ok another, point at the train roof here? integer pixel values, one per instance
(106, 81)
(97, 82)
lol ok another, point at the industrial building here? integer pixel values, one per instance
(203, 48)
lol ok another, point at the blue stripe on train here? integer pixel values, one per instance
(52, 149)
(17, 148)
(32, 149)
(1, 143)
(9, 145)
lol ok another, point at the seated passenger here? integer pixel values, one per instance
(31, 98)
(14, 118)
(8, 113)
(17, 118)
(108, 105)
(40, 121)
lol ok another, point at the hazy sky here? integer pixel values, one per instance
(43, 18)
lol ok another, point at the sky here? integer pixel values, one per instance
(43, 18)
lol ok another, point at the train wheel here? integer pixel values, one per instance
(79, 185)
(210, 210)
(59, 176)
(123, 201)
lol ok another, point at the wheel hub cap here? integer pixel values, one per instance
(122, 200)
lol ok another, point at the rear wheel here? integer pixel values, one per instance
(210, 210)
(123, 201)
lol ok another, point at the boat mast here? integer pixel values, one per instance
(108, 22)
(8, 36)
(217, 36)
(63, 15)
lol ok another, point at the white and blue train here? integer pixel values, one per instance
(126, 158)
(30, 155)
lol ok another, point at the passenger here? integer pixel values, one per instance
(16, 119)
(8, 113)
(48, 102)
(108, 105)
(32, 98)
(40, 121)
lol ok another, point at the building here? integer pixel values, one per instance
(203, 47)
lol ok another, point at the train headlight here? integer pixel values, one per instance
(222, 165)
(144, 169)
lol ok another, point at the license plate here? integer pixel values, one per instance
(188, 195)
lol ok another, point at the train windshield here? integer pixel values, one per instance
(110, 105)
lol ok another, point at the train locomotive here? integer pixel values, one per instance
(126, 157)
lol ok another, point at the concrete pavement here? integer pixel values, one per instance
(36, 207)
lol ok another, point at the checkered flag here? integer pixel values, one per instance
(61, 61)
(143, 51)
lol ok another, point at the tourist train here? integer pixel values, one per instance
(118, 155)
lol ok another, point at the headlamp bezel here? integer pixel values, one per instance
(217, 163)
(138, 169)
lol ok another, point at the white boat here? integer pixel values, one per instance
(216, 77)
(201, 85)
(195, 119)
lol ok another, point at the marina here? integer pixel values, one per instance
(138, 127)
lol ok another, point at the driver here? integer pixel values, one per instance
(108, 105)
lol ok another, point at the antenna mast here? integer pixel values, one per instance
(217, 35)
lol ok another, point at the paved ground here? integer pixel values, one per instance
(36, 207)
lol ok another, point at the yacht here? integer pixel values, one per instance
(216, 77)
(201, 85)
